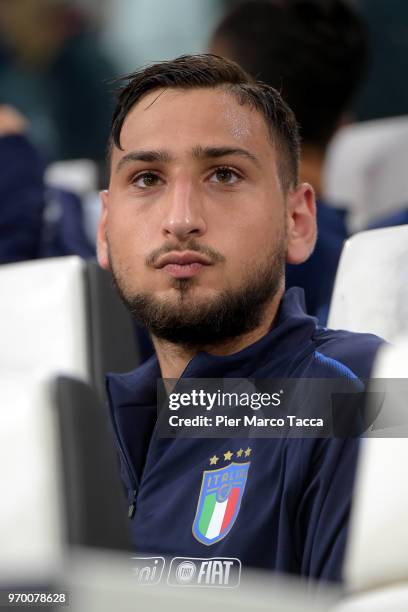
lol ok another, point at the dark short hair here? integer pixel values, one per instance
(210, 71)
(313, 51)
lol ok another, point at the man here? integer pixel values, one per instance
(202, 211)
(21, 190)
(314, 52)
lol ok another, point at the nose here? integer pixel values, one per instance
(183, 216)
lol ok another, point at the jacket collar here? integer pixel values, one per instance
(274, 351)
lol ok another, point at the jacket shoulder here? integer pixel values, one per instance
(354, 351)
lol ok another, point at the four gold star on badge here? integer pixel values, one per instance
(229, 455)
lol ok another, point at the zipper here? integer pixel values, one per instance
(131, 474)
(132, 479)
(132, 504)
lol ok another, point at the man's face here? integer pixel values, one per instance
(195, 214)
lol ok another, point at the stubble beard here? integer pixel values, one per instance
(196, 323)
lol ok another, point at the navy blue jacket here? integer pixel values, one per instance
(295, 506)
(63, 231)
(396, 218)
(21, 199)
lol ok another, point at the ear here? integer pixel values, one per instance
(302, 226)
(101, 242)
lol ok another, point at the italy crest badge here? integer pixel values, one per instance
(220, 499)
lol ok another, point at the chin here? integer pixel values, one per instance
(186, 290)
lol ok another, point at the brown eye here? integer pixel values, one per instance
(225, 176)
(145, 180)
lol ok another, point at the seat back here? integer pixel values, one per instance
(94, 500)
(63, 315)
(371, 289)
(366, 170)
(77, 175)
(31, 509)
(59, 475)
(43, 316)
(377, 552)
(113, 344)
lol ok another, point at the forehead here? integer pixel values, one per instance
(177, 119)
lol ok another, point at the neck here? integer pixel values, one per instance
(311, 167)
(173, 358)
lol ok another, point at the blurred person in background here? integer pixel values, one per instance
(52, 71)
(35, 220)
(385, 90)
(314, 52)
(21, 190)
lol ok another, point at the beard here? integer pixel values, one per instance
(194, 323)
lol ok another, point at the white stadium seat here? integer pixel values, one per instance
(62, 315)
(78, 175)
(378, 539)
(50, 481)
(376, 566)
(31, 519)
(371, 288)
(43, 316)
(388, 599)
(366, 170)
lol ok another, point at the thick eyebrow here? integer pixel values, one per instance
(144, 156)
(216, 152)
(198, 152)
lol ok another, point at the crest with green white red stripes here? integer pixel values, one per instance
(220, 500)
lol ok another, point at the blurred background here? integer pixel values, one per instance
(56, 57)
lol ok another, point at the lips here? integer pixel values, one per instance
(183, 265)
(183, 259)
